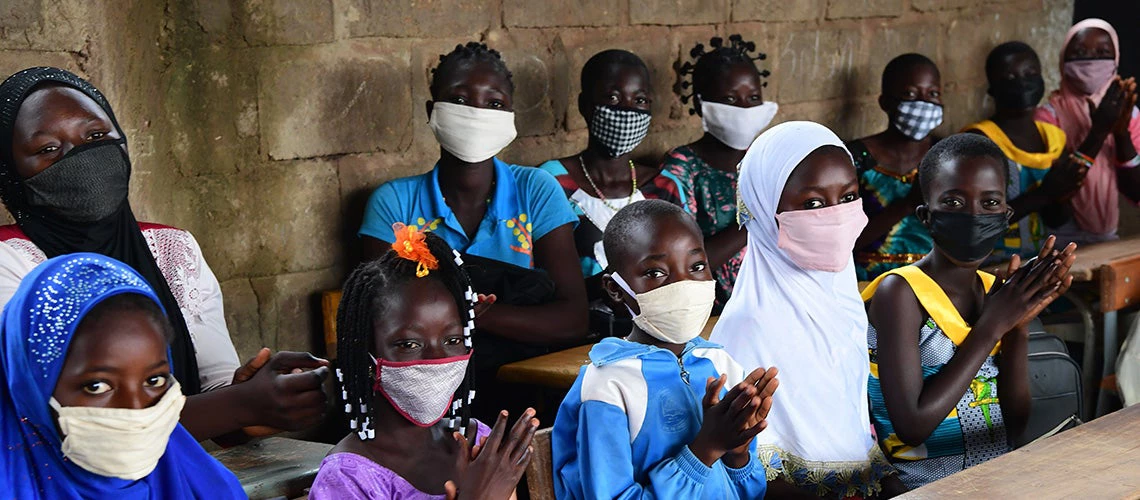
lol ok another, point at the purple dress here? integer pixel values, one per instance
(351, 476)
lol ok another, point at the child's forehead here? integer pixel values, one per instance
(655, 234)
(967, 170)
(477, 72)
(915, 73)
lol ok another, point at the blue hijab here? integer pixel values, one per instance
(35, 330)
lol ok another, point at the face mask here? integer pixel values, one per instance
(618, 130)
(89, 183)
(1018, 93)
(119, 442)
(916, 119)
(1089, 76)
(471, 134)
(736, 127)
(421, 390)
(967, 237)
(821, 239)
(675, 313)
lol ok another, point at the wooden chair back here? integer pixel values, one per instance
(540, 471)
(330, 301)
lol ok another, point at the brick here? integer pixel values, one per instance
(426, 18)
(242, 317)
(529, 56)
(969, 41)
(964, 105)
(538, 149)
(834, 114)
(289, 308)
(348, 99)
(20, 14)
(840, 9)
(933, 5)
(287, 22)
(360, 175)
(531, 14)
(776, 10)
(213, 16)
(424, 57)
(12, 61)
(890, 40)
(678, 12)
(50, 25)
(817, 64)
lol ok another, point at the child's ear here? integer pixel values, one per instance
(922, 212)
(584, 107)
(612, 289)
(1008, 213)
(884, 104)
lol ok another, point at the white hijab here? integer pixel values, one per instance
(809, 324)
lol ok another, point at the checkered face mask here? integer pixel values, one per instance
(916, 119)
(619, 130)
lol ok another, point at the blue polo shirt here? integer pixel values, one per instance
(526, 205)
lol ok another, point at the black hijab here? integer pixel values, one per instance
(116, 236)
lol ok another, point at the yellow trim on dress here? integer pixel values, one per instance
(935, 301)
(1053, 137)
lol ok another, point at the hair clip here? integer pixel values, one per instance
(411, 244)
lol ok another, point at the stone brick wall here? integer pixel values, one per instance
(262, 125)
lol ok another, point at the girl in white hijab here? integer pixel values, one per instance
(796, 306)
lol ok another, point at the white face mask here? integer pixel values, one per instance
(675, 313)
(421, 390)
(736, 127)
(471, 134)
(119, 442)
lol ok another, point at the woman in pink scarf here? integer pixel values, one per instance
(1096, 109)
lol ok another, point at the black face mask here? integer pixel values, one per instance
(967, 237)
(88, 184)
(1018, 93)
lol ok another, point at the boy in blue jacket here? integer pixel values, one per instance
(650, 416)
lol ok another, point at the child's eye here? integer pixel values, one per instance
(730, 100)
(849, 197)
(755, 98)
(96, 387)
(459, 100)
(700, 266)
(642, 100)
(496, 104)
(407, 344)
(453, 341)
(157, 381)
(654, 274)
(935, 93)
(612, 99)
(48, 149)
(991, 203)
(911, 95)
(813, 204)
(96, 136)
(952, 203)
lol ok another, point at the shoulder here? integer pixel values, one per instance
(348, 475)
(894, 299)
(532, 177)
(409, 184)
(19, 247)
(860, 154)
(165, 240)
(554, 167)
(721, 360)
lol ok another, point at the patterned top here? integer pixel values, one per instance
(973, 432)
(908, 240)
(711, 196)
(191, 282)
(594, 215)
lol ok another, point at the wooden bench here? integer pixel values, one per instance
(274, 467)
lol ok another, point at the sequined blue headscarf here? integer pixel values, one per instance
(36, 327)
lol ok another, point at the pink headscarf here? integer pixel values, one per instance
(1095, 205)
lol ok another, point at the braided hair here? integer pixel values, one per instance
(706, 67)
(463, 58)
(363, 301)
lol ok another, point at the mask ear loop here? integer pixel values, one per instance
(625, 286)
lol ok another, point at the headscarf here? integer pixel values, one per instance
(1095, 204)
(810, 324)
(36, 328)
(117, 236)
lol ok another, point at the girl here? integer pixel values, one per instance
(1096, 109)
(796, 306)
(887, 162)
(88, 405)
(404, 332)
(728, 96)
(64, 177)
(949, 379)
(511, 222)
(615, 101)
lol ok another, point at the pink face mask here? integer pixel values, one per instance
(1089, 76)
(821, 239)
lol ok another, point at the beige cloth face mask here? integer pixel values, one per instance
(119, 442)
(471, 134)
(675, 313)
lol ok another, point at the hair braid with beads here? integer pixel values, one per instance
(707, 66)
(363, 300)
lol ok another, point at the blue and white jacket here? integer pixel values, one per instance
(623, 430)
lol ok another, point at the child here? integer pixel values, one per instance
(728, 96)
(887, 162)
(615, 101)
(403, 331)
(1040, 180)
(1096, 109)
(649, 417)
(949, 378)
(796, 305)
(511, 222)
(88, 405)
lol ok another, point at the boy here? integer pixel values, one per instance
(949, 379)
(639, 420)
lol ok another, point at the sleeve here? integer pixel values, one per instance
(547, 205)
(750, 481)
(13, 268)
(383, 209)
(214, 349)
(1048, 115)
(1134, 128)
(676, 169)
(605, 461)
(334, 482)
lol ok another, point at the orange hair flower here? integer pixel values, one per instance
(411, 244)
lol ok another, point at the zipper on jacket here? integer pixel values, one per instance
(684, 373)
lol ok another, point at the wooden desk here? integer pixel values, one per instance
(275, 466)
(1100, 459)
(559, 369)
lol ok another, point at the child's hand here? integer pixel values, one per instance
(1029, 289)
(492, 470)
(726, 423)
(766, 382)
(484, 302)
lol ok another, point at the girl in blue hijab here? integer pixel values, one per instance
(88, 405)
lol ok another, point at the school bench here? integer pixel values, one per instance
(274, 467)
